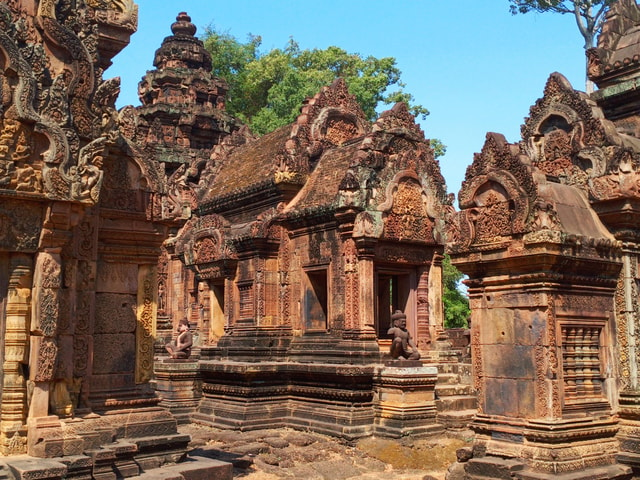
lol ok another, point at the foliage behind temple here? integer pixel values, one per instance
(267, 89)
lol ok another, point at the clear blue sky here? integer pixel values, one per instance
(476, 67)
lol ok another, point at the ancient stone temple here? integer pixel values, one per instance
(81, 232)
(288, 255)
(289, 263)
(308, 239)
(547, 233)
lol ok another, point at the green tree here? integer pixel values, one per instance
(589, 15)
(266, 90)
(456, 303)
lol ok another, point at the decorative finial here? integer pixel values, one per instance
(183, 25)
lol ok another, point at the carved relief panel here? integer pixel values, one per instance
(493, 215)
(408, 218)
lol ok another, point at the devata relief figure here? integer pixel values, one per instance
(403, 346)
(181, 348)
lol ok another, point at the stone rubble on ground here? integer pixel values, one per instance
(284, 453)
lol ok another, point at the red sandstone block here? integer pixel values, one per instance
(194, 468)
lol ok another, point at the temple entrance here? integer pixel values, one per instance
(395, 290)
(315, 300)
(217, 312)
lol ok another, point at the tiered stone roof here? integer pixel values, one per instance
(182, 102)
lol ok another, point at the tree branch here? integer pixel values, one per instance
(599, 16)
(583, 27)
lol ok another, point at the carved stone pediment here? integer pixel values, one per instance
(495, 199)
(330, 118)
(565, 134)
(505, 197)
(204, 240)
(58, 113)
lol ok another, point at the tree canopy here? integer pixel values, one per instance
(266, 90)
(589, 16)
(456, 303)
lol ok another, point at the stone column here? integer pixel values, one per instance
(629, 288)
(627, 318)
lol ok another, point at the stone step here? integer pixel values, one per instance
(442, 345)
(494, 467)
(448, 389)
(448, 379)
(430, 358)
(24, 467)
(463, 369)
(456, 420)
(193, 468)
(449, 367)
(448, 355)
(457, 403)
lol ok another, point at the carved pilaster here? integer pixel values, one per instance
(86, 245)
(259, 290)
(16, 338)
(284, 282)
(146, 315)
(626, 317)
(44, 325)
(229, 299)
(366, 324)
(352, 284)
(435, 308)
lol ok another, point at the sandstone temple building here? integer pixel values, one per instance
(287, 254)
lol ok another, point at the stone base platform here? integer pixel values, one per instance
(347, 401)
(326, 398)
(179, 386)
(574, 448)
(82, 467)
(405, 394)
(496, 467)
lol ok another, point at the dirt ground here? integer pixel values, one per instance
(284, 453)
